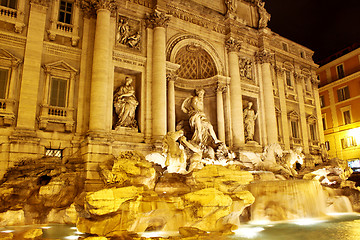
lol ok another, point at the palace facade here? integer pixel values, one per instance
(63, 61)
(340, 104)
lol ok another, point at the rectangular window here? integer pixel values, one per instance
(348, 142)
(4, 73)
(288, 78)
(58, 92)
(294, 129)
(322, 101)
(65, 12)
(343, 93)
(302, 54)
(340, 71)
(9, 3)
(312, 127)
(327, 145)
(285, 47)
(347, 117)
(50, 152)
(324, 123)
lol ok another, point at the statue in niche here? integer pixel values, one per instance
(249, 122)
(125, 104)
(204, 134)
(246, 68)
(264, 16)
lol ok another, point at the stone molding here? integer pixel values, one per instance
(157, 19)
(44, 3)
(232, 45)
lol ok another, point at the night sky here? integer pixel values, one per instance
(324, 26)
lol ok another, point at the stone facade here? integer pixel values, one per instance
(62, 60)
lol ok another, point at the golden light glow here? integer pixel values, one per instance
(249, 232)
(355, 132)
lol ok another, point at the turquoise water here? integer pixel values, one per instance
(344, 227)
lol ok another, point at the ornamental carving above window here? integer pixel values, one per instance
(195, 63)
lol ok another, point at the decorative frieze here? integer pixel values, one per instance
(157, 19)
(44, 3)
(233, 45)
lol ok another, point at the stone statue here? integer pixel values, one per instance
(175, 153)
(125, 104)
(264, 16)
(249, 122)
(204, 134)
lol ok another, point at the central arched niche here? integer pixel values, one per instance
(195, 63)
(200, 67)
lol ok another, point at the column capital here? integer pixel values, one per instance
(157, 19)
(170, 76)
(90, 7)
(279, 70)
(232, 45)
(264, 56)
(298, 76)
(220, 87)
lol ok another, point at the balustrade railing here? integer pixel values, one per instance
(8, 12)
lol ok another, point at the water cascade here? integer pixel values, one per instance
(287, 200)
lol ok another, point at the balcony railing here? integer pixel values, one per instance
(8, 12)
(68, 28)
(58, 115)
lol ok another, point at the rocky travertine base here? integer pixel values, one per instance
(208, 200)
(41, 191)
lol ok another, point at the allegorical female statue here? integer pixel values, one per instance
(125, 104)
(249, 122)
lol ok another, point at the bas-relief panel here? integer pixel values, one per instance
(128, 33)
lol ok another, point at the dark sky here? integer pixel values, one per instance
(324, 26)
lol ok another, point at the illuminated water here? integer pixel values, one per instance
(344, 227)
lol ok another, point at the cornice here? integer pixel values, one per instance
(339, 82)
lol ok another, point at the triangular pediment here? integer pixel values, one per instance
(311, 118)
(60, 66)
(293, 114)
(7, 56)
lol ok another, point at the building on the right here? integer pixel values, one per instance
(339, 92)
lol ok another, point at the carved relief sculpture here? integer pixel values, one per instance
(128, 34)
(246, 68)
(125, 105)
(249, 122)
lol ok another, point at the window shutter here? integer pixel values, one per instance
(58, 92)
(347, 92)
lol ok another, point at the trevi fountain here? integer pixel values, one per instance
(194, 188)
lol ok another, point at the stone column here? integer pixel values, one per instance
(303, 123)
(100, 67)
(263, 58)
(283, 108)
(171, 102)
(31, 68)
(228, 134)
(158, 21)
(220, 111)
(233, 47)
(320, 126)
